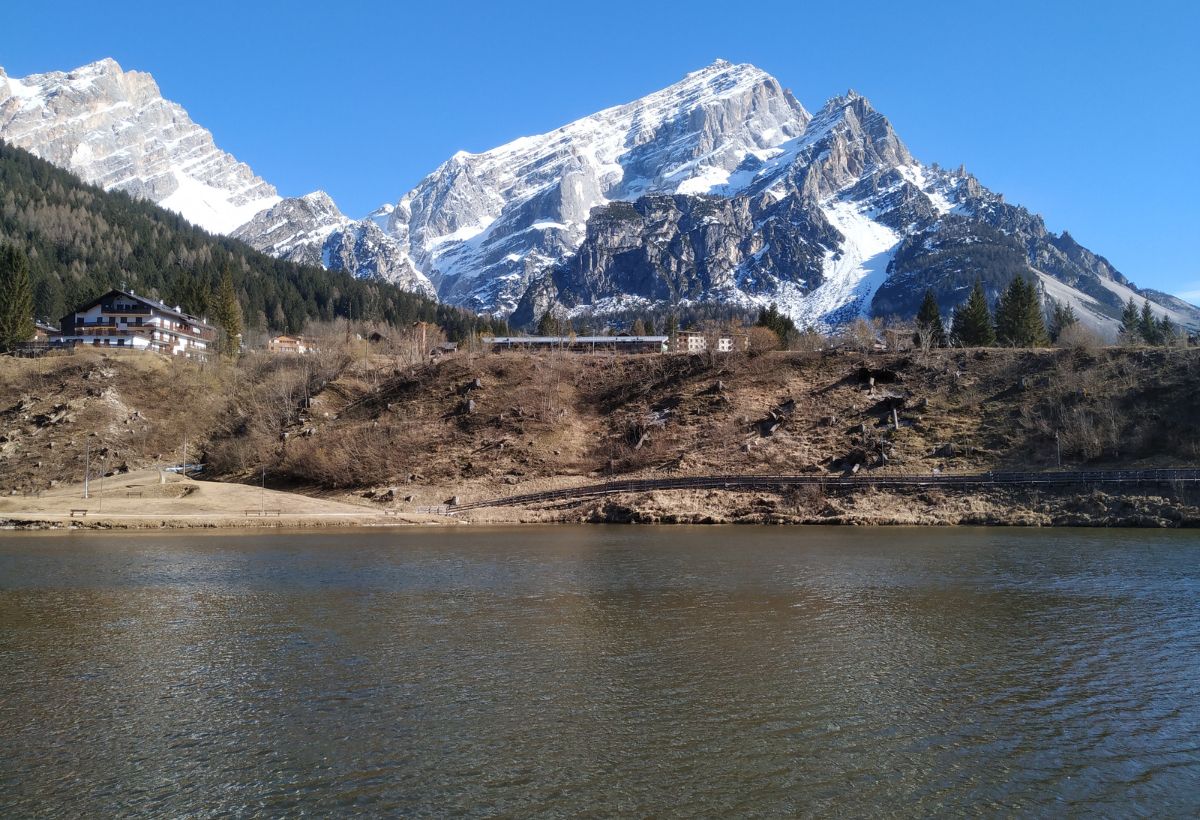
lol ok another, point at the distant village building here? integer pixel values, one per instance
(444, 349)
(45, 332)
(579, 344)
(689, 341)
(728, 343)
(122, 319)
(289, 344)
(695, 341)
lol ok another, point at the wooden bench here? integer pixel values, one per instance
(133, 495)
(392, 512)
(264, 512)
(78, 513)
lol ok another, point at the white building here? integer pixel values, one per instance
(289, 344)
(121, 319)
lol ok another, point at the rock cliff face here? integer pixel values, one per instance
(812, 231)
(114, 129)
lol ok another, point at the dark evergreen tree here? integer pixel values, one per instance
(1148, 325)
(1166, 330)
(548, 325)
(929, 322)
(227, 313)
(1131, 323)
(781, 323)
(49, 301)
(972, 322)
(1061, 318)
(16, 298)
(1019, 320)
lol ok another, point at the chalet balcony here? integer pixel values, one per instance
(111, 310)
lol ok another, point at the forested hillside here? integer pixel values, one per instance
(82, 240)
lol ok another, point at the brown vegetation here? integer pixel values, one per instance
(360, 418)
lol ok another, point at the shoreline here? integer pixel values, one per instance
(864, 509)
(157, 500)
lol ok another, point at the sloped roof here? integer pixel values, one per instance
(159, 306)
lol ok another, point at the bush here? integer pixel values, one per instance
(761, 339)
(1076, 336)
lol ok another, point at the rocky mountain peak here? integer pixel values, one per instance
(105, 65)
(483, 223)
(114, 129)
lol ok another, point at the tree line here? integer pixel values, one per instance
(80, 241)
(1019, 320)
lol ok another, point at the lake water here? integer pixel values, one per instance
(610, 670)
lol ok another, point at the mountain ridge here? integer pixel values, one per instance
(827, 215)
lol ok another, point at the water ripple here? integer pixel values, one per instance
(611, 671)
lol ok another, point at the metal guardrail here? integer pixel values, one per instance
(771, 482)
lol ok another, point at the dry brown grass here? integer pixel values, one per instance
(362, 421)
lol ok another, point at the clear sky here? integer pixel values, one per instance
(1083, 111)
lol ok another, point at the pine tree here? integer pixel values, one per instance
(929, 322)
(1019, 320)
(228, 315)
(638, 329)
(972, 323)
(1062, 318)
(1131, 323)
(671, 326)
(782, 324)
(548, 325)
(16, 298)
(1166, 331)
(1148, 325)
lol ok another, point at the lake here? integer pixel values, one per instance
(670, 671)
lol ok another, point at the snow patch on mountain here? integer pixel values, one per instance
(210, 207)
(851, 273)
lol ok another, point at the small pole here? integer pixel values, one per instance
(262, 495)
(87, 464)
(102, 472)
(1058, 447)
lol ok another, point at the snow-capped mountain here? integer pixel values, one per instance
(482, 226)
(719, 188)
(311, 230)
(838, 222)
(114, 129)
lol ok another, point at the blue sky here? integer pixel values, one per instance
(1085, 112)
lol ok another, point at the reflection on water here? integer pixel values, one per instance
(666, 671)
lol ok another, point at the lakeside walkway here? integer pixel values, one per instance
(741, 483)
